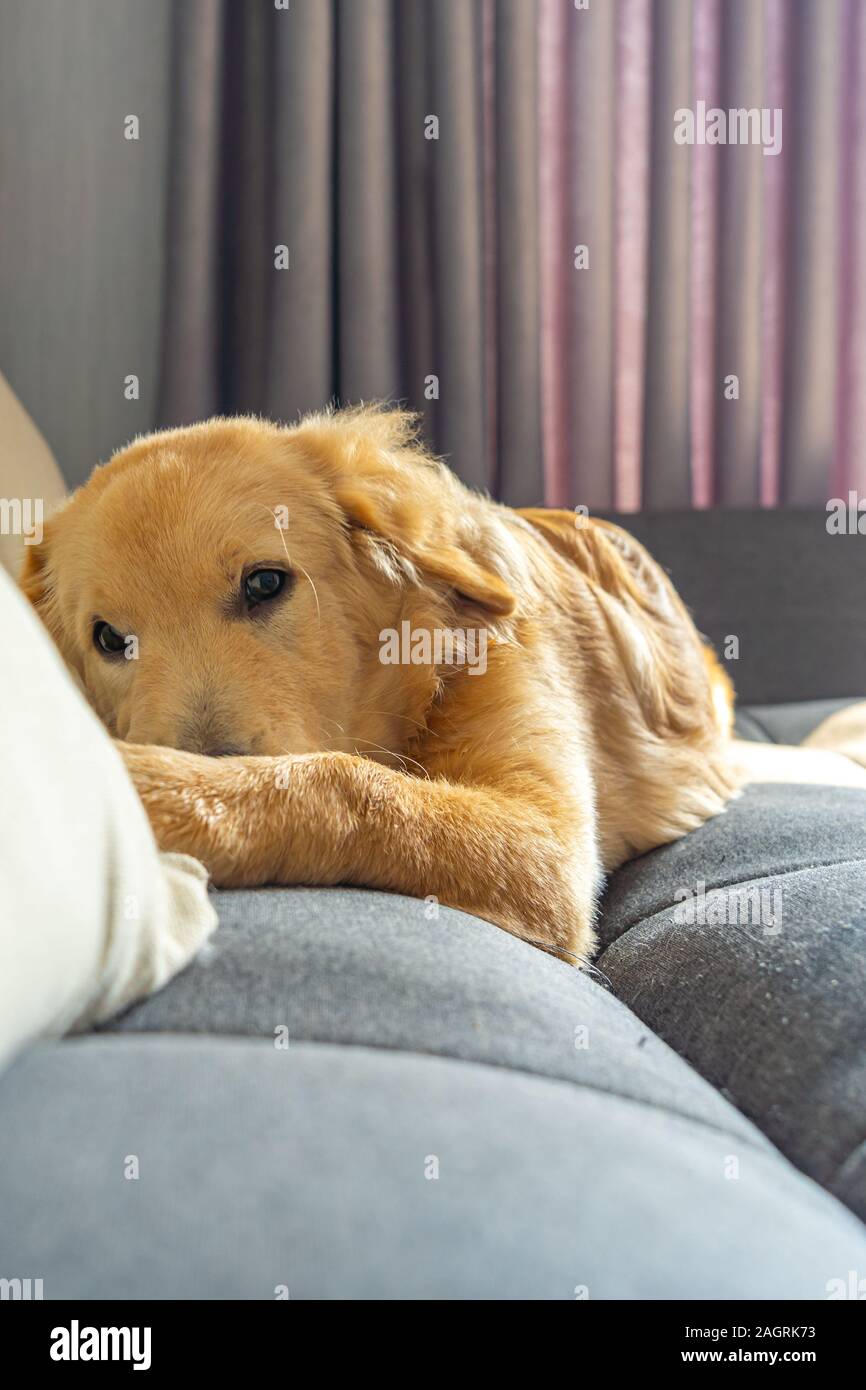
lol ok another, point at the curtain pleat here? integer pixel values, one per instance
(189, 388)
(634, 44)
(555, 264)
(591, 130)
(703, 285)
(850, 461)
(368, 341)
(458, 253)
(487, 216)
(517, 438)
(489, 239)
(666, 477)
(246, 185)
(774, 260)
(737, 383)
(810, 290)
(416, 154)
(301, 357)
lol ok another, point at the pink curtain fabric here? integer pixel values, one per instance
(850, 454)
(766, 250)
(634, 38)
(554, 264)
(774, 261)
(704, 230)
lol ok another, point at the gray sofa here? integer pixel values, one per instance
(358, 1095)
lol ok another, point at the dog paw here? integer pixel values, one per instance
(188, 800)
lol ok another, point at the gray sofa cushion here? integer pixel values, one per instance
(305, 1168)
(376, 970)
(772, 1014)
(351, 966)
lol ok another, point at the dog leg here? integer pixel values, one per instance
(333, 818)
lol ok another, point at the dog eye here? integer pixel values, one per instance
(262, 585)
(108, 640)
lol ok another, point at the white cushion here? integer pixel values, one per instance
(92, 916)
(28, 473)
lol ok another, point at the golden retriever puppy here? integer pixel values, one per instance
(329, 662)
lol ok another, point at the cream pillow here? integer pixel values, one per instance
(844, 732)
(92, 916)
(30, 481)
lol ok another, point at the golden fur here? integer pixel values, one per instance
(599, 729)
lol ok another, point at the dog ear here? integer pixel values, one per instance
(406, 525)
(387, 486)
(34, 579)
(677, 684)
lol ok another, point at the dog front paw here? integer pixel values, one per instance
(189, 800)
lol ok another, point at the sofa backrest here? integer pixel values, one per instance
(791, 592)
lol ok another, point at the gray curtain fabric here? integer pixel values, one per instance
(589, 345)
(811, 289)
(666, 404)
(82, 217)
(307, 130)
(517, 439)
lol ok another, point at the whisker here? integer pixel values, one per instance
(312, 586)
(390, 714)
(294, 564)
(400, 757)
(391, 752)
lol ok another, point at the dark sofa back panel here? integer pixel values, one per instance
(793, 594)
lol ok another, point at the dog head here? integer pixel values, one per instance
(223, 588)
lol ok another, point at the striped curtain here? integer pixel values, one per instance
(485, 212)
(715, 261)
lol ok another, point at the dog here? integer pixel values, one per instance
(225, 595)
